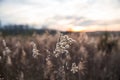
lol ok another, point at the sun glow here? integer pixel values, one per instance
(114, 27)
(77, 29)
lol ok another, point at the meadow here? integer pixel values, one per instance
(75, 56)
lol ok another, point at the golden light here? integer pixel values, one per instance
(77, 29)
(92, 28)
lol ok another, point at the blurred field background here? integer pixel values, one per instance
(98, 56)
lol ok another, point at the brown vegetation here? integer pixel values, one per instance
(86, 58)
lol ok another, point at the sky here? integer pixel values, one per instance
(62, 14)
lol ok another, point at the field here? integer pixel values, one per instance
(75, 56)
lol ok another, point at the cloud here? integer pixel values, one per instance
(37, 11)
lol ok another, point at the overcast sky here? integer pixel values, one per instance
(37, 11)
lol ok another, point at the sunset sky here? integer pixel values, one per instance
(63, 14)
